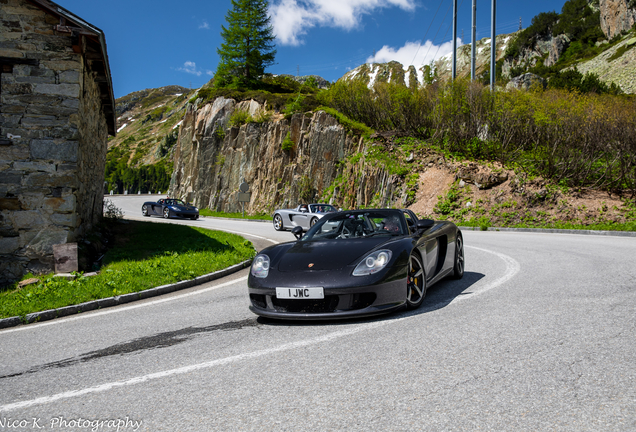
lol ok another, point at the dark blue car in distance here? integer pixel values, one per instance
(170, 207)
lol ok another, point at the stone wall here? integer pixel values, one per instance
(53, 141)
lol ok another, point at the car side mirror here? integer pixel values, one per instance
(303, 210)
(297, 232)
(425, 224)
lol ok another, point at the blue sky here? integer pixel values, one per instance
(154, 43)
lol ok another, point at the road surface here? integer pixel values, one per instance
(538, 336)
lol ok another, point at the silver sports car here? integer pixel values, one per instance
(305, 216)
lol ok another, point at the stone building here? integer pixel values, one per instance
(56, 112)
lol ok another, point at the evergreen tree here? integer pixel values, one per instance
(248, 44)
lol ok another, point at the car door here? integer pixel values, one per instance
(157, 207)
(300, 218)
(427, 245)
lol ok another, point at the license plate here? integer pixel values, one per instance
(300, 293)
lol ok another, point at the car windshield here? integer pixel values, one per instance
(358, 224)
(321, 208)
(175, 202)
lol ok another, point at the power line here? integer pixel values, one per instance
(429, 27)
(438, 29)
(449, 27)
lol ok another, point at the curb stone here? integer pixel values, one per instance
(556, 231)
(121, 299)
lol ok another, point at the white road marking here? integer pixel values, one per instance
(151, 303)
(512, 268)
(247, 234)
(122, 308)
(179, 222)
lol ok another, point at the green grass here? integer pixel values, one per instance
(239, 215)
(145, 255)
(349, 124)
(485, 223)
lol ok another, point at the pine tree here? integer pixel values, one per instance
(248, 46)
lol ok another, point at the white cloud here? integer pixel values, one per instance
(205, 25)
(191, 68)
(413, 53)
(292, 19)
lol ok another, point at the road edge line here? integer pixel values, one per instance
(107, 302)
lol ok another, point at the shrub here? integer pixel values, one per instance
(288, 145)
(240, 117)
(353, 126)
(219, 132)
(293, 107)
(579, 139)
(168, 141)
(263, 116)
(305, 189)
(111, 211)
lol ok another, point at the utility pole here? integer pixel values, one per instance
(493, 45)
(473, 48)
(454, 68)
(520, 26)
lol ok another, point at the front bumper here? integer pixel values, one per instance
(185, 214)
(353, 298)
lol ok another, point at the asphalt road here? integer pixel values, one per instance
(538, 336)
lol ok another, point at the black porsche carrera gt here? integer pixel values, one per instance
(355, 263)
(168, 207)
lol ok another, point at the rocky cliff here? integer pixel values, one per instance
(617, 16)
(326, 164)
(213, 157)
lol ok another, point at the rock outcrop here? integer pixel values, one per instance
(213, 158)
(526, 81)
(617, 16)
(558, 45)
(617, 65)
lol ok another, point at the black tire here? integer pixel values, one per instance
(458, 267)
(166, 213)
(313, 222)
(278, 222)
(415, 282)
(144, 210)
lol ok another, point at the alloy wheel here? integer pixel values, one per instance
(415, 282)
(278, 223)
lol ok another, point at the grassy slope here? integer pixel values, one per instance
(145, 255)
(148, 116)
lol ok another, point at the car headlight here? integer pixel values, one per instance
(373, 263)
(260, 266)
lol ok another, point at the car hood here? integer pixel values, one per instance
(326, 255)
